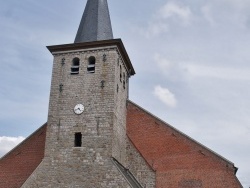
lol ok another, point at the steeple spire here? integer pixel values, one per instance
(95, 24)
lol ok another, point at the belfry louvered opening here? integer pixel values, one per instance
(91, 64)
(75, 66)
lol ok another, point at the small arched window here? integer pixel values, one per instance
(75, 66)
(91, 65)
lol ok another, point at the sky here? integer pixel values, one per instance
(191, 58)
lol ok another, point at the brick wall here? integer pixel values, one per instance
(17, 165)
(178, 160)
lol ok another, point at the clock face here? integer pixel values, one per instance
(79, 108)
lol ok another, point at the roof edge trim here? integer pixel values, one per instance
(130, 178)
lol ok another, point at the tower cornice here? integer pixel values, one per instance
(96, 44)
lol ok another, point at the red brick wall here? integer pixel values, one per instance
(179, 161)
(19, 164)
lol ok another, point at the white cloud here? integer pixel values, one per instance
(171, 9)
(7, 143)
(168, 14)
(165, 96)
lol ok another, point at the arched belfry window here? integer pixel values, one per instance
(91, 65)
(75, 66)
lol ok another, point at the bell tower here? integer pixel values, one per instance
(86, 128)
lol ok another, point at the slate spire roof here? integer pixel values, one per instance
(95, 24)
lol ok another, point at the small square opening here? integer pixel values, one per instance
(78, 139)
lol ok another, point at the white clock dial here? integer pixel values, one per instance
(79, 108)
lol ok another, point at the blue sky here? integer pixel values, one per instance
(191, 58)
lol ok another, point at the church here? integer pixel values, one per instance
(96, 137)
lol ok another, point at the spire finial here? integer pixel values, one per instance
(95, 24)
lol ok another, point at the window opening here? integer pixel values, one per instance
(75, 66)
(78, 139)
(120, 73)
(91, 65)
(124, 85)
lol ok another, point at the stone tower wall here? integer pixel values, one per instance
(102, 124)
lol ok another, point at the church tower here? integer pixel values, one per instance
(86, 131)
